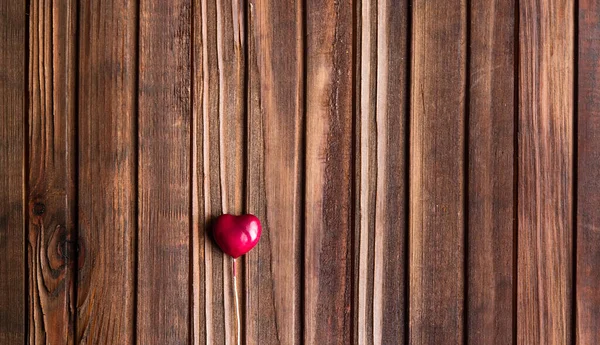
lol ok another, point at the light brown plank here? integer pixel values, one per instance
(276, 124)
(13, 88)
(545, 177)
(52, 194)
(219, 153)
(491, 193)
(328, 245)
(381, 154)
(437, 139)
(164, 181)
(107, 172)
(588, 175)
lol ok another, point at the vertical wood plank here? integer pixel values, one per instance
(381, 119)
(276, 126)
(107, 172)
(545, 175)
(328, 235)
(491, 172)
(588, 175)
(13, 88)
(219, 153)
(52, 195)
(164, 180)
(437, 139)
(391, 205)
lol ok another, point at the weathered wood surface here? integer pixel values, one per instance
(425, 171)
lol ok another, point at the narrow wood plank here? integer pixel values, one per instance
(545, 145)
(491, 172)
(13, 88)
(588, 175)
(52, 195)
(276, 124)
(107, 172)
(437, 139)
(219, 153)
(328, 235)
(164, 181)
(391, 204)
(381, 154)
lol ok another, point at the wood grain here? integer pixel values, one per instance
(588, 175)
(491, 170)
(107, 172)
(52, 179)
(437, 173)
(276, 127)
(164, 181)
(219, 158)
(545, 177)
(328, 196)
(380, 183)
(13, 112)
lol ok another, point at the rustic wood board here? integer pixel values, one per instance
(13, 175)
(164, 172)
(491, 174)
(588, 176)
(437, 173)
(545, 172)
(52, 171)
(107, 193)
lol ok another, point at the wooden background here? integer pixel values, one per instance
(427, 172)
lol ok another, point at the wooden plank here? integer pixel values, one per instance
(545, 148)
(437, 142)
(391, 203)
(164, 180)
(381, 219)
(218, 155)
(52, 194)
(588, 175)
(275, 158)
(107, 172)
(13, 88)
(328, 210)
(491, 196)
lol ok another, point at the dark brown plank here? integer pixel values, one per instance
(13, 88)
(52, 195)
(491, 172)
(275, 63)
(218, 154)
(588, 175)
(328, 247)
(380, 124)
(545, 149)
(437, 139)
(164, 181)
(107, 172)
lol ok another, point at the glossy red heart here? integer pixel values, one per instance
(236, 235)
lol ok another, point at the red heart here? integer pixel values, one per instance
(236, 235)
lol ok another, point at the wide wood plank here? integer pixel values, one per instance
(545, 177)
(218, 160)
(275, 158)
(52, 171)
(588, 175)
(107, 172)
(437, 172)
(13, 88)
(164, 180)
(491, 170)
(328, 194)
